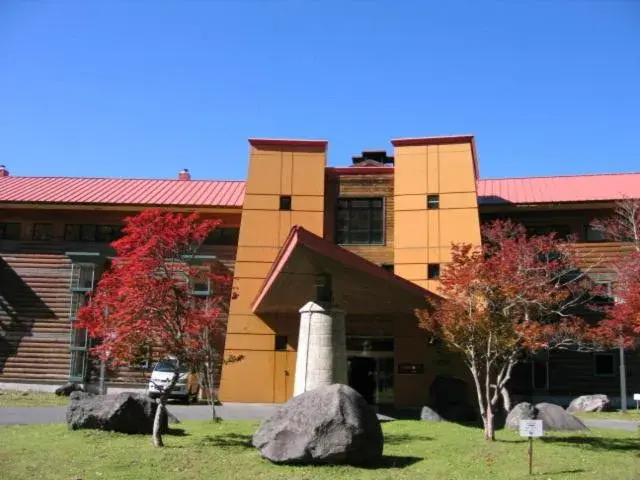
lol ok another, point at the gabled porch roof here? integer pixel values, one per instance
(359, 286)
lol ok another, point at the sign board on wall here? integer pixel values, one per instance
(531, 428)
(411, 368)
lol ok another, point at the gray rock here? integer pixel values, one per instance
(522, 411)
(125, 412)
(589, 403)
(330, 425)
(429, 414)
(171, 418)
(555, 418)
(68, 389)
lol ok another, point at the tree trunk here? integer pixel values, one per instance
(489, 429)
(506, 399)
(161, 411)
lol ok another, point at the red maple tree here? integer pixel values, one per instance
(145, 300)
(515, 294)
(623, 317)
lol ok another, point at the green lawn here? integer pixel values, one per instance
(413, 449)
(11, 398)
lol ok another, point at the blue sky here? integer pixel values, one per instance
(145, 88)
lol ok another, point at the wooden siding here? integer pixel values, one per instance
(363, 186)
(34, 317)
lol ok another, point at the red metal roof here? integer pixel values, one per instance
(122, 191)
(575, 188)
(213, 193)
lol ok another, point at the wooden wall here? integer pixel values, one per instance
(35, 296)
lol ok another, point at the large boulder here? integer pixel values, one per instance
(589, 403)
(429, 414)
(522, 411)
(554, 417)
(67, 389)
(124, 412)
(329, 425)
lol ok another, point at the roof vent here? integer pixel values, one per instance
(372, 158)
(3, 171)
(184, 174)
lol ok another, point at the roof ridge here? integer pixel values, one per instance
(53, 177)
(569, 175)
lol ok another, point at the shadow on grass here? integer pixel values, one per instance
(177, 432)
(228, 440)
(391, 439)
(595, 443)
(559, 472)
(392, 461)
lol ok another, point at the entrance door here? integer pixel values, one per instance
(362, 377)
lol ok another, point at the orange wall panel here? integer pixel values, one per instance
(312, 221)
(459, 225)
(251, 378)
(257, 254)
(307, 203)
(456, 172)
(266, 169)
(259, 228)
(410, 229)
(262, 202)
(458, 200)
(252, 269)
(250, 341)
(248, 323)
(275, 168)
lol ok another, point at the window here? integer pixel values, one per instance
(433, 202)
(42, 231)
(223, 236)
(91, 233)
(388, 267)
(360, 221)
(281, 343)
(9, 231)
(604, 364)
(433, 271)
(605, 292)
(593, 235)
(285, 202)
(562, 231)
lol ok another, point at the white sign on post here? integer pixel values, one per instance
(531, 428)
(636, 396)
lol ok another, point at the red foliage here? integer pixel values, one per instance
(145, 300)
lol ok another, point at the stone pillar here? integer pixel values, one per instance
(322, 352)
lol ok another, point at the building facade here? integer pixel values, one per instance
(379, 230)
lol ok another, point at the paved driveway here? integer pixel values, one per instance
(228, 411)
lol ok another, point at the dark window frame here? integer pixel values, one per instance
(389, 267)
(280, 343)
(91, 233)
(371, 235)
(595, 364)
(5, 231)
(433, 271)
(601, 237)
(285, 202)
(433, 201)
(223, 236)
(42, 238)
